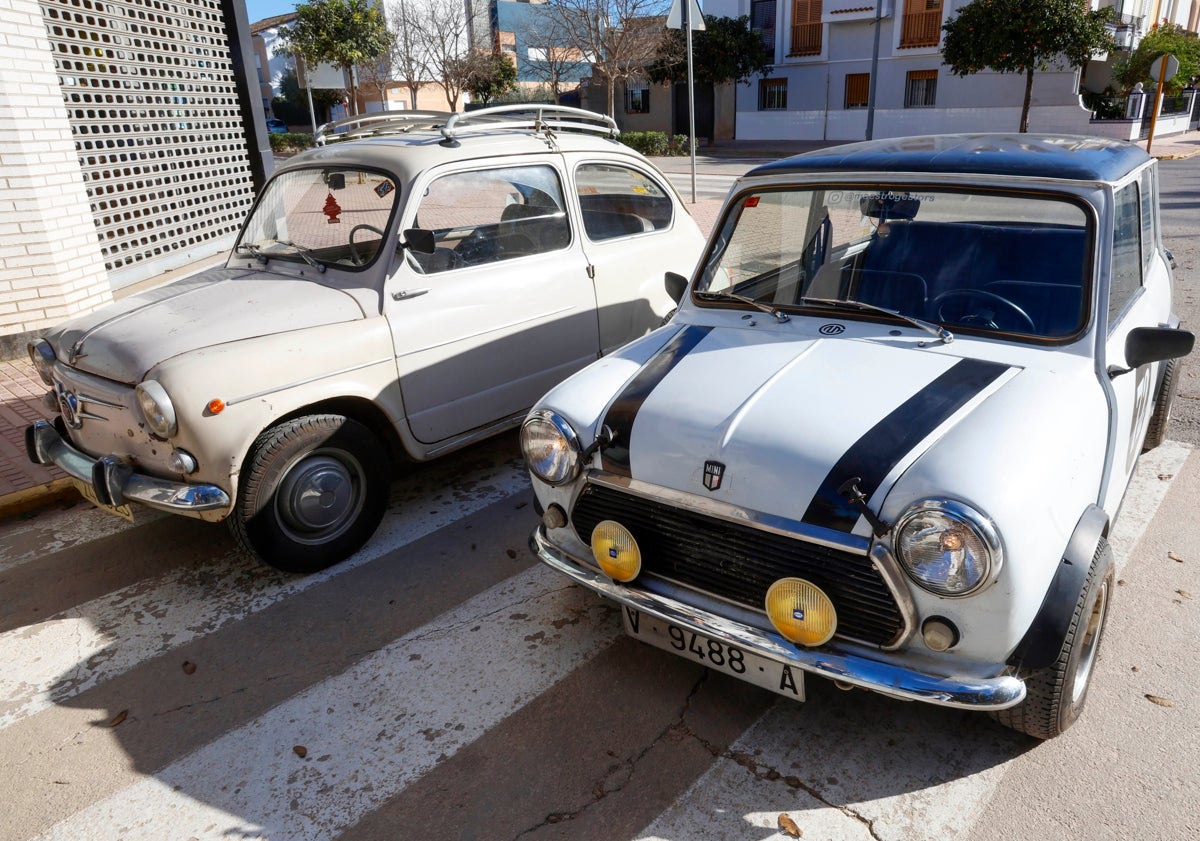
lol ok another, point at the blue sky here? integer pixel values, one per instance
(256, 10)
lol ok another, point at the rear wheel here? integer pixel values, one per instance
(311, 493)
(1156, 432)
(1055, 696)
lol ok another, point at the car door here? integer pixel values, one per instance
(1131, 303)
(634, 230)
(501, 311)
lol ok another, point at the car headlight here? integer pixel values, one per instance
(550, 446)
(42, 356)
(156, 408)
(948, 547)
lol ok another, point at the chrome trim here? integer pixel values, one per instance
(177, 497)
(833, 661)
(731, 513)
(894, 577)
(295, 383)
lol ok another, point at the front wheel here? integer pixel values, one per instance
(1156, 432)
(311, 493)
(1055, 695)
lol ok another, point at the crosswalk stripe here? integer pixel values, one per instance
(369, 731)
(66, 654)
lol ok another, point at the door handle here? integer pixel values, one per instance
(404, 294)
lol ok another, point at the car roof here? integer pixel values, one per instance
(1037, 155)
(411, 142)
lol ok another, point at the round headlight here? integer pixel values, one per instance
(156, 408)
(42, 356)
(948, 547)
(551, 447)
(616, 551)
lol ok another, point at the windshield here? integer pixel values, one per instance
(972, 261)
(322, 216)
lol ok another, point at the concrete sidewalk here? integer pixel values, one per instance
(24, 485)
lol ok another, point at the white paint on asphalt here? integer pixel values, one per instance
(66, 654)
(369, 731)
(57, 530)
(869, 785)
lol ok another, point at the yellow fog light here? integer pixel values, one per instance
(801, 612)
(616, 551)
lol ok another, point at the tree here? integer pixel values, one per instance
(727, 50)
(552, 58)
(1164, 39)
(443, 27)
(409, 54)
(344, 33)
(619, 37)
(379, 73)
(1024, 36)
(291, 105)
(492, 76)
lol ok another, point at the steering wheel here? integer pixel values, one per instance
(983, 316)
(354, 258)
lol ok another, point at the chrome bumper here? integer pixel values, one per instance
(114, 481)
(995, 693)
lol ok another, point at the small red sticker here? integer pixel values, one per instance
(750, 202)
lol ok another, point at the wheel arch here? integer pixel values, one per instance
(1040, 646)
(360, 409)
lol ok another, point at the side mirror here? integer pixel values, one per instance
(676, 285)
(1144, 345)
(419, 240)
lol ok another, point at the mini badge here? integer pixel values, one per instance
(713, 471)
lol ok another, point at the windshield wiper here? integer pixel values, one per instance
(305, 254)
(254, 250)
(836, 303)
(780, 315)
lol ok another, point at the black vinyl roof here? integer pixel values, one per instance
(1038, 155)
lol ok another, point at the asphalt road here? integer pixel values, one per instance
(443, 685)
(1179, 184)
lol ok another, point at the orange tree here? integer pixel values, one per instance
(1024, 36)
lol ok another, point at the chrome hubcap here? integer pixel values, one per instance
(1090, 643)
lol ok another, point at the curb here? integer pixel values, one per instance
(27, 499)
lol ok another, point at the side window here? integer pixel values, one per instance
(1126, 251)
(1149, 218)
(490, 215)
(618, 201)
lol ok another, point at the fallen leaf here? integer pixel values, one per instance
(1135, 668)
(118, 718)
(300, 751)
(1162, 702)
(512, 553)
(1185, 594)
(788, 826)
(1166, 477)
(189, 668)
(1174, 557)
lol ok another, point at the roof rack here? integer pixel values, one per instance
(537, 117)
(373, 125)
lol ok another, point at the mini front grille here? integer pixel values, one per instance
(737, 562)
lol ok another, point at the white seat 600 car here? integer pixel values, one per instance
(885, 437)
(397, 294)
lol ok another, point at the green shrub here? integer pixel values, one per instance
(655, 144)
(290, 143)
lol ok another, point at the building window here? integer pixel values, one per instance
(806, 28)
(922, 24)
(637, 101)
(920, 91)
(858, 88)
(772, 95)
(762, 21)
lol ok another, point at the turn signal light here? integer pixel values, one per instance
(616, 551)
(216, 406)
(801, 611)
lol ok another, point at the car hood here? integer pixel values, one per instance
(777, 424)
(126, 339)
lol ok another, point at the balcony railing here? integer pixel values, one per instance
(806, 39)
(921, 29)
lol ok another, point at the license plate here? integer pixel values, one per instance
(89, 493)
(716, 655)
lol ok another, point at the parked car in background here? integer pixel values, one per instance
(885, 437)
(276, 126)
(397, 294)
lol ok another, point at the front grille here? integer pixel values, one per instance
(738, 562)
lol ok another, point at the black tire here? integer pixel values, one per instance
(312, 491)
(1156, 432)
(1055, 696)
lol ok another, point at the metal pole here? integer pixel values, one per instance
(872, 80)
(687, 27)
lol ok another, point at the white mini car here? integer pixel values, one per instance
(886, 434)
(397, 294)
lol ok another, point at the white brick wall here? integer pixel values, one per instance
(51, 266)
